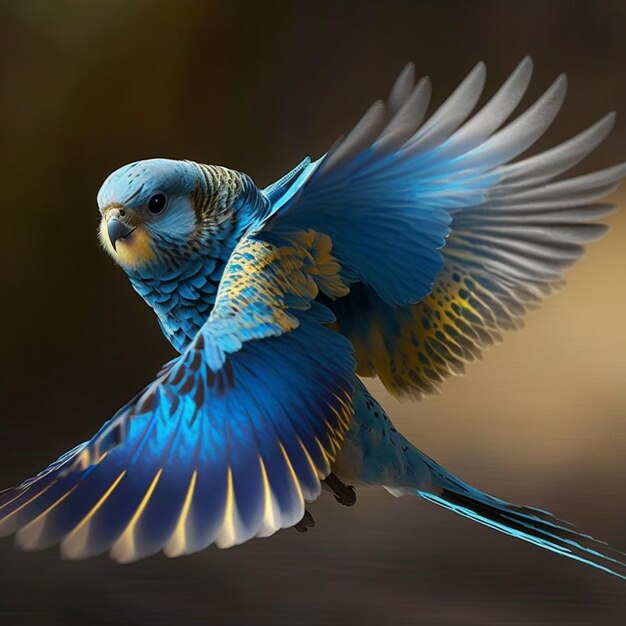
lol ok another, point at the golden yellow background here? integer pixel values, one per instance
(86, 86)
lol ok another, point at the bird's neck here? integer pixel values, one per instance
(183, 293)
(183, 298)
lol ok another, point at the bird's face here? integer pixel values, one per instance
(148, 212)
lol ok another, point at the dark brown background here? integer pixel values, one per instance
(86, 86)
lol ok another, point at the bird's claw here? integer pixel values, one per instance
(344, 494)
(305, 523)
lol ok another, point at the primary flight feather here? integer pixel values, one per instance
(402, 253)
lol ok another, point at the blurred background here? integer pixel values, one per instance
(87, 85)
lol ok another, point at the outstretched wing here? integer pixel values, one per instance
(229, 440)
(446, 242)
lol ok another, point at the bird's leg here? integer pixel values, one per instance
(344, 494)
(305, 523)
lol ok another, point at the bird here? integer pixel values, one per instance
(402, 253)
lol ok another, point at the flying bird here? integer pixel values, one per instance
(405, 251)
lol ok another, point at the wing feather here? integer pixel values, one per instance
(444, 239)
(229, 440)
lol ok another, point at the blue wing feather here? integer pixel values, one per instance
(228, 441)
(449, 242)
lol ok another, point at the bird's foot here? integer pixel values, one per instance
(305, 523)
(344, 494)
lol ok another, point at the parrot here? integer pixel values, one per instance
(402, 253)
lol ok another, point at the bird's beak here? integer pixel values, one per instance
(117, 230)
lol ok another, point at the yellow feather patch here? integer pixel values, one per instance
(260, 278)
(28, 537)
(436, 337)
(75, 542)
(228, 535)
(325, 268)
(123, 550)
(271, 509)
(177, 543)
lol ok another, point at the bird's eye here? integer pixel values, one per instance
(156, 204)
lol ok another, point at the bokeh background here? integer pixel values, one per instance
(88, 85)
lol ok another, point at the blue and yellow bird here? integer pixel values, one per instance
(402, 253)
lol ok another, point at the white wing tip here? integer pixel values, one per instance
(480, 68)
(561, 82)
(527, 61)
(409, 68)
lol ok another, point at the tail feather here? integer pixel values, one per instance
(549, 533)
(391, 460)
(528, 524)
(535, 526)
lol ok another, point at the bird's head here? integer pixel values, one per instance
(150, 212)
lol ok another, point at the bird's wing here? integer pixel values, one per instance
(229, 440)
(445, 239)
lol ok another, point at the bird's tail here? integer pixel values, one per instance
(529, 524)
